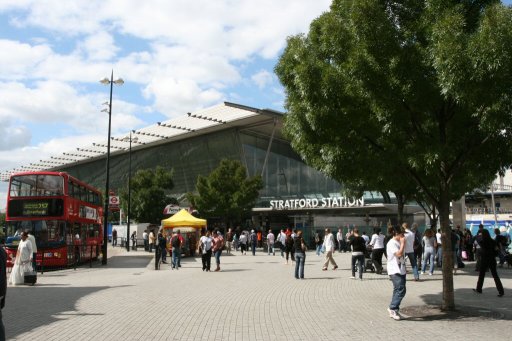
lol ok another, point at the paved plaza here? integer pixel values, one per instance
(252, 298)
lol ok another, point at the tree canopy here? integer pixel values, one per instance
(415, 95)
(227, 192)
(148, 198)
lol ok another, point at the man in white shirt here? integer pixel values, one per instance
(409, 250)
(282, 239)
(396, 270)
(341, 241)
(329, 249)
(270, 242)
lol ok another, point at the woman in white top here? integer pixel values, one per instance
(429, 251)
(377, 244)
(23, 261)
(205, 246)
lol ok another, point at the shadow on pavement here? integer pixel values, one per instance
(28, 308)
(125, 262)
(469, 306)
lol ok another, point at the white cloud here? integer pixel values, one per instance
(13, 136)
(262, 78)
(177, 97)
(99, 47)
(180, 55)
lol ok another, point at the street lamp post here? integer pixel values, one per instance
(111, 82)
(129, 190)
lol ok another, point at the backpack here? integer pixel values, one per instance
(175, 242)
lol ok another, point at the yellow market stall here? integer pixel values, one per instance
(189, 227)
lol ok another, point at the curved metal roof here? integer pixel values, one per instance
(199, 122)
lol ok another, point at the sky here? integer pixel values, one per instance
(174, 57)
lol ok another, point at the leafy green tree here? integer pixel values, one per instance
(148, 198)
(417, 91)
(227, 192)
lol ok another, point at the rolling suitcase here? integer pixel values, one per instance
(30, 277)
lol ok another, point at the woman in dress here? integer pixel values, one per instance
(23, 261)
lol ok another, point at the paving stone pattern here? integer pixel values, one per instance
(251, 298)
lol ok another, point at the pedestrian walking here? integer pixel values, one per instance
(152, 240)
(270, 243)
(217, 245)
(288, 246)
(328, 245)
(243, 243)
(3, 289)
(409, 250)
(281, 238)
(395, 250)
(377, 244)
(253, 238)
(358, 245)
(176, 245)
(429, 251)
(22, 262)
(145, 239)
(300, 255)
(229, 240)
(114, 237)
(341, 240)
(205, 250)
(488, 249)
(162, 242)
(319, 242)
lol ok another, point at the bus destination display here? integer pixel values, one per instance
(35, 208)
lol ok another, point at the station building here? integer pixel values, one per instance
(294, 194)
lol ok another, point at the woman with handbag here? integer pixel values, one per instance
(23, 261)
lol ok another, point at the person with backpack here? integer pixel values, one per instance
(288, 246)
(176, 243)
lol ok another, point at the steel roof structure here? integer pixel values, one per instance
(196, 123)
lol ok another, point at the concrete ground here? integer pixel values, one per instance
(252, 298)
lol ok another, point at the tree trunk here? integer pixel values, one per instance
(444, 211)
(400, 207)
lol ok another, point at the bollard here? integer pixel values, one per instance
(157, 258)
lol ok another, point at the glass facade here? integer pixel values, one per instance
(285, 175)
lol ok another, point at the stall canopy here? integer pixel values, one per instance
(183, 219)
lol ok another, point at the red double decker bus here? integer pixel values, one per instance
(63, 213)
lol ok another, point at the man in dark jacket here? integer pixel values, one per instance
(3, 289)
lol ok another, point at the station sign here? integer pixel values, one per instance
(293, 204)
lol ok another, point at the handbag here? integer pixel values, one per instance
(30, 277)
(465, 255)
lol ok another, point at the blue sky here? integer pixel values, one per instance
(174, 56)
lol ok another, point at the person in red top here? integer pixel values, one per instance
(288, 232)
(217, 245)
(260, 238)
